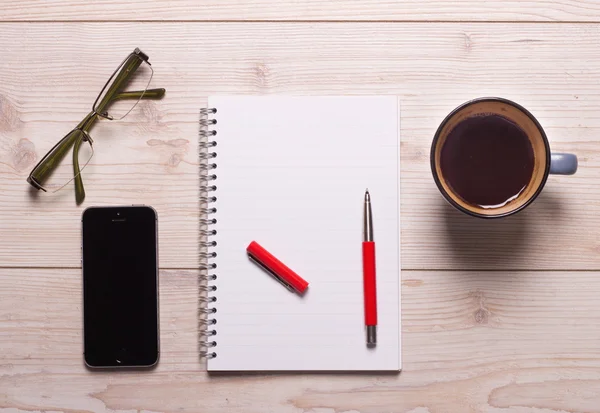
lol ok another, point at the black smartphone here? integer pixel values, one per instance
(120, 286)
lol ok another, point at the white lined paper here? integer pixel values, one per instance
(292, 172)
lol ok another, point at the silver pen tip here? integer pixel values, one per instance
(371, 336)
(367, 195)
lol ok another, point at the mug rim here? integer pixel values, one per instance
(436, 137)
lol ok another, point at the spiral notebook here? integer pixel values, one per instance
(291, 173)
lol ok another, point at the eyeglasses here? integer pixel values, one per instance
(51, 174)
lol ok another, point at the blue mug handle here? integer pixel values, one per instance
(563, 163)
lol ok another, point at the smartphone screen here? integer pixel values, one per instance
(120, 286)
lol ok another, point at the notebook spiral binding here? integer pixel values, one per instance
(207, 154)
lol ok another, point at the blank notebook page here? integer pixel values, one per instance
(291, 175)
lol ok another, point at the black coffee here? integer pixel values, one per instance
(487, 160)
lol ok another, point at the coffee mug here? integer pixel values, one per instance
(490, 158)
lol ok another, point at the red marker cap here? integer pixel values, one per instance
(276, 268)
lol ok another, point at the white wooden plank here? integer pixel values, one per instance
(269, 10)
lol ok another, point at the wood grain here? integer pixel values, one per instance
(522, 341)
(151, 158)
(521, 338)
(273, 10)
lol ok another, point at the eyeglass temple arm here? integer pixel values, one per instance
(140, 94)
(79, 189)
(84, 125)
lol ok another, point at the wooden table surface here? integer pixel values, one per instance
(499, 316)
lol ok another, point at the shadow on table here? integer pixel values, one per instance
(337, 373)
(503, 243)
(38, 196)
(483, 243)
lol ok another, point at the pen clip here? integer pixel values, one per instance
(273, 274)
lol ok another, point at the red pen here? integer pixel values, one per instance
(369, 281)
(276, 268)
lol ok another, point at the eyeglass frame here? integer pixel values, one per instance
(123, 72)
